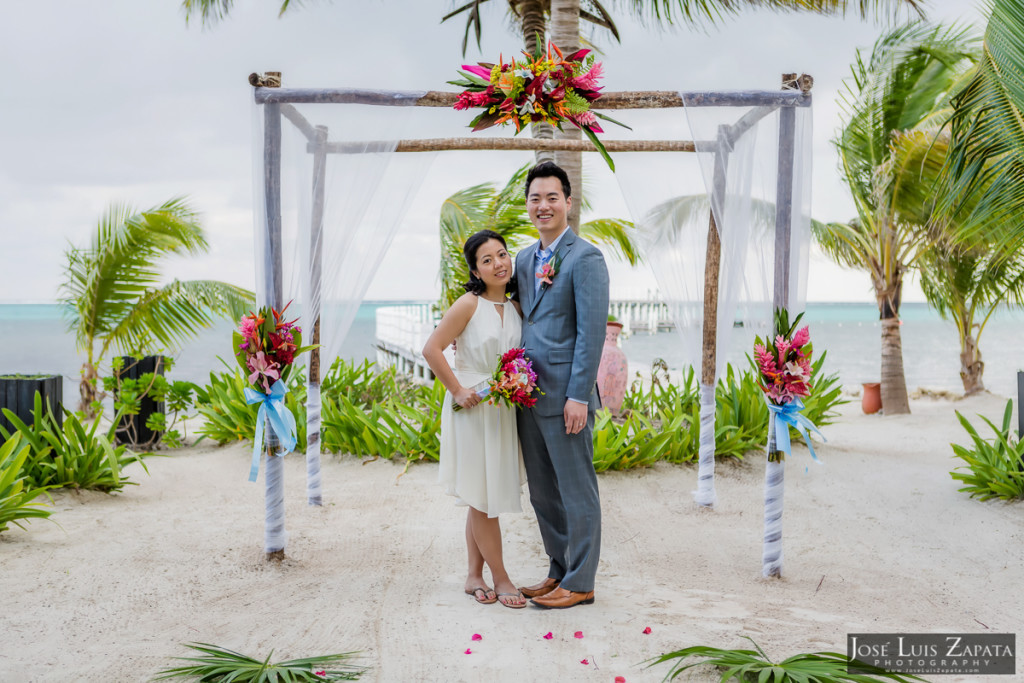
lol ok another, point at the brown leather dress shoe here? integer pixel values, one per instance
(542, 588)
(561, 598)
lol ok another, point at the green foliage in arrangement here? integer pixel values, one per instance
(17, 495)
(748, 665)
(995, 469)
(220, 664)
(76, 456)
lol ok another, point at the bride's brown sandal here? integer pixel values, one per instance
(482, 599)
(510, 604)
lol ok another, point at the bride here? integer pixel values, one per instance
(481, 463)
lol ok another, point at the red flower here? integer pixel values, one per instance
(647, 630)
(620, 679)
(578, 634)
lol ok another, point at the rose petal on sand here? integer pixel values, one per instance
(585, 662)
(477, 636)
(647, 630)
(620, 679)
(578, 634)
(468, 651)
(548, 636)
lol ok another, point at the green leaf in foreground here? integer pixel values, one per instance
(219, 664)
(748, 665)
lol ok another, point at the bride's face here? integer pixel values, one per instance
(493, 264)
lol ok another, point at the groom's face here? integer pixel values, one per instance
(547, 205)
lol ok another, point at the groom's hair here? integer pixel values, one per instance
(549, 169)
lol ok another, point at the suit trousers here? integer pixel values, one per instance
(564, 494)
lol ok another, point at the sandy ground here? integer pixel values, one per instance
(876, 540)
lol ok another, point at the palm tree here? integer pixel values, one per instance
(484, 206)
(111, 291)
(900, 91)
(987, 139)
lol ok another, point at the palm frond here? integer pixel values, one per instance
(617, 233)
(988, 135)
(221, 664)
(704, 12)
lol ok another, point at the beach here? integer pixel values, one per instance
(876, 540)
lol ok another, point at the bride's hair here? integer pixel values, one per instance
(473, 244)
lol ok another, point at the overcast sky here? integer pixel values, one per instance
(120, 101)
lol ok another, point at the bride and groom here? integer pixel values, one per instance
(555, 305)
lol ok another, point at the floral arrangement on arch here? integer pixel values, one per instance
(547, 86)
(783, 366)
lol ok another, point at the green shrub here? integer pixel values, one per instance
(995, 469)
(129, 393)
(748, 665)
(221, 664)
(634, 443)
(17, 495)
(75, 456)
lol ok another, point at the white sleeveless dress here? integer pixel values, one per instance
(481, 462)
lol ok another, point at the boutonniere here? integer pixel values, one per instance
(549, 270)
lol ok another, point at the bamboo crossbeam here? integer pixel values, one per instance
(299, 121)
(528, 144)
(650, 99)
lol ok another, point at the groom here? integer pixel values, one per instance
(563, 291)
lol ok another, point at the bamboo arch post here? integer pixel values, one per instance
(705, 495)
(314, 488)
(273, 471)
(774, 475)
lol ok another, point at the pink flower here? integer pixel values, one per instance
(765, 362)
(468, 651)
(647, 630)
(588, 81)
(247, 326)
(578, 634)
(477, 636)
(548, 636)
(801, 337)
(262, 370)
(545, 274)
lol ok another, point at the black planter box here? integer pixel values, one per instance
(18, 394)
(141, 435)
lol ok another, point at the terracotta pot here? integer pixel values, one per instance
(871, 401)
(613, 373)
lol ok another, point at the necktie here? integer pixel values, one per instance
(543, 256)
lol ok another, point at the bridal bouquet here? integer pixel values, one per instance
(265, 346)
(544, 87)
(783, 368)
(513, 381)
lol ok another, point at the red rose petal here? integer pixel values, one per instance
(468, 651)
(620, 679)
(578, 634)
(548, 636)
(585, 662)
(477, 636)
(647, 630)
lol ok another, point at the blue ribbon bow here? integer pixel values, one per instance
(789, 414)
(282, 422)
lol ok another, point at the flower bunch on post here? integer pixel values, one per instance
(546, 86)
(783, 367)
(513, 382)
(265, 346)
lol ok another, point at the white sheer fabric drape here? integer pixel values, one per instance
(737, 152)
(337, 221)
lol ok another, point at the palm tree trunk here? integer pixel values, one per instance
(971, 366)
(565, 33)
(87, 391)
(531, 13)
(894, 382)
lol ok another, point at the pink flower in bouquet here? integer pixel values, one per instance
(546, 273)
(801, 338)
(262, 370)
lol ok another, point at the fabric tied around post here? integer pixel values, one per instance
(282, 422)
(789, 415)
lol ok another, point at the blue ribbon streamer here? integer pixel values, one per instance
(282, 422)
(788, 415)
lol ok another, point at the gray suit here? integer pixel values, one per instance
(563, 332)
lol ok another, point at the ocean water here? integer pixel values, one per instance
(37, 341)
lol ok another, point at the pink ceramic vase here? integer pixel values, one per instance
(613, 373)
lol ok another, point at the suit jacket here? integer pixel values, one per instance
(564, 323)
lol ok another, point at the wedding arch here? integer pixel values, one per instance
(743, 259)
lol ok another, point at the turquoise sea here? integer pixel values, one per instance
(36, 341)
